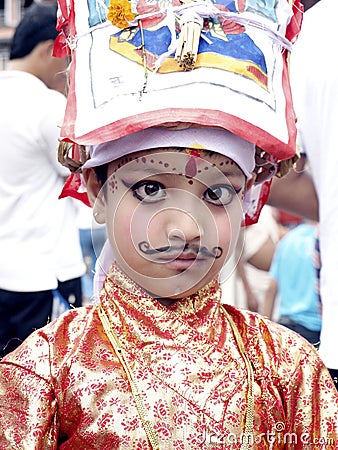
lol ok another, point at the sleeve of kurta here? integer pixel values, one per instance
(311, 401)
(27, 401)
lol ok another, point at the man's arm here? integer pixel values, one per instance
(295, 192)
(262, 258)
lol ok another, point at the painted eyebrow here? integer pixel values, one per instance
(146, 169)
(167, 171)
(234, 178)
(149, 170)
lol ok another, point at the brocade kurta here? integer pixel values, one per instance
(65, 388)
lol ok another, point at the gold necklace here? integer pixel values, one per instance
(137, 395)
(249, 419)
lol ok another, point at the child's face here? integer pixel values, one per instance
(172, 217)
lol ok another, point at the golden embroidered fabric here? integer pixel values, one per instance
(66, 388)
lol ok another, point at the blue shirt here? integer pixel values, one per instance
(293, 269)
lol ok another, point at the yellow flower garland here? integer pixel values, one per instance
(120, 13)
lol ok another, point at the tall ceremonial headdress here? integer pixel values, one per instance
(147, 63)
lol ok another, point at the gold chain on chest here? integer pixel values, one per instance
(249, 419)
(137, 394)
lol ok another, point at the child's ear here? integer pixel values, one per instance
(250, 183)
(95, 195)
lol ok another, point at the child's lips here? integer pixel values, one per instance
(182, 261)
(180, 264)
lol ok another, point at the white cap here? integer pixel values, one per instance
(219, 141)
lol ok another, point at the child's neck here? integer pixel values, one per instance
(167, 301)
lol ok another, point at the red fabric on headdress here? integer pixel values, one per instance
(295, 24)
(73, 187)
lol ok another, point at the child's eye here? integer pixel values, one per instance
(220, 194)
(148, 191)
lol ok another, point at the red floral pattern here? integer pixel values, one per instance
(64, 388)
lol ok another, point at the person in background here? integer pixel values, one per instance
(247, 285)
(92, 239)
(293, 280)
(313, 193)
(40, 248)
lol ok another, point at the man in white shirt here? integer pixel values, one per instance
(314, 68)
(39, 241)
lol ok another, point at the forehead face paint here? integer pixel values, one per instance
(194, 159)
(190, 163)
(172, 224)
(193, 138)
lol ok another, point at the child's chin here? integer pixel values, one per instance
(177, 291)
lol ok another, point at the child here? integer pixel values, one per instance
(158, 362)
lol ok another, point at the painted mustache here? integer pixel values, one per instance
(215, 252)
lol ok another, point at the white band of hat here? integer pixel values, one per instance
(220, 141)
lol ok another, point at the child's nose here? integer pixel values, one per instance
(183, 225)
